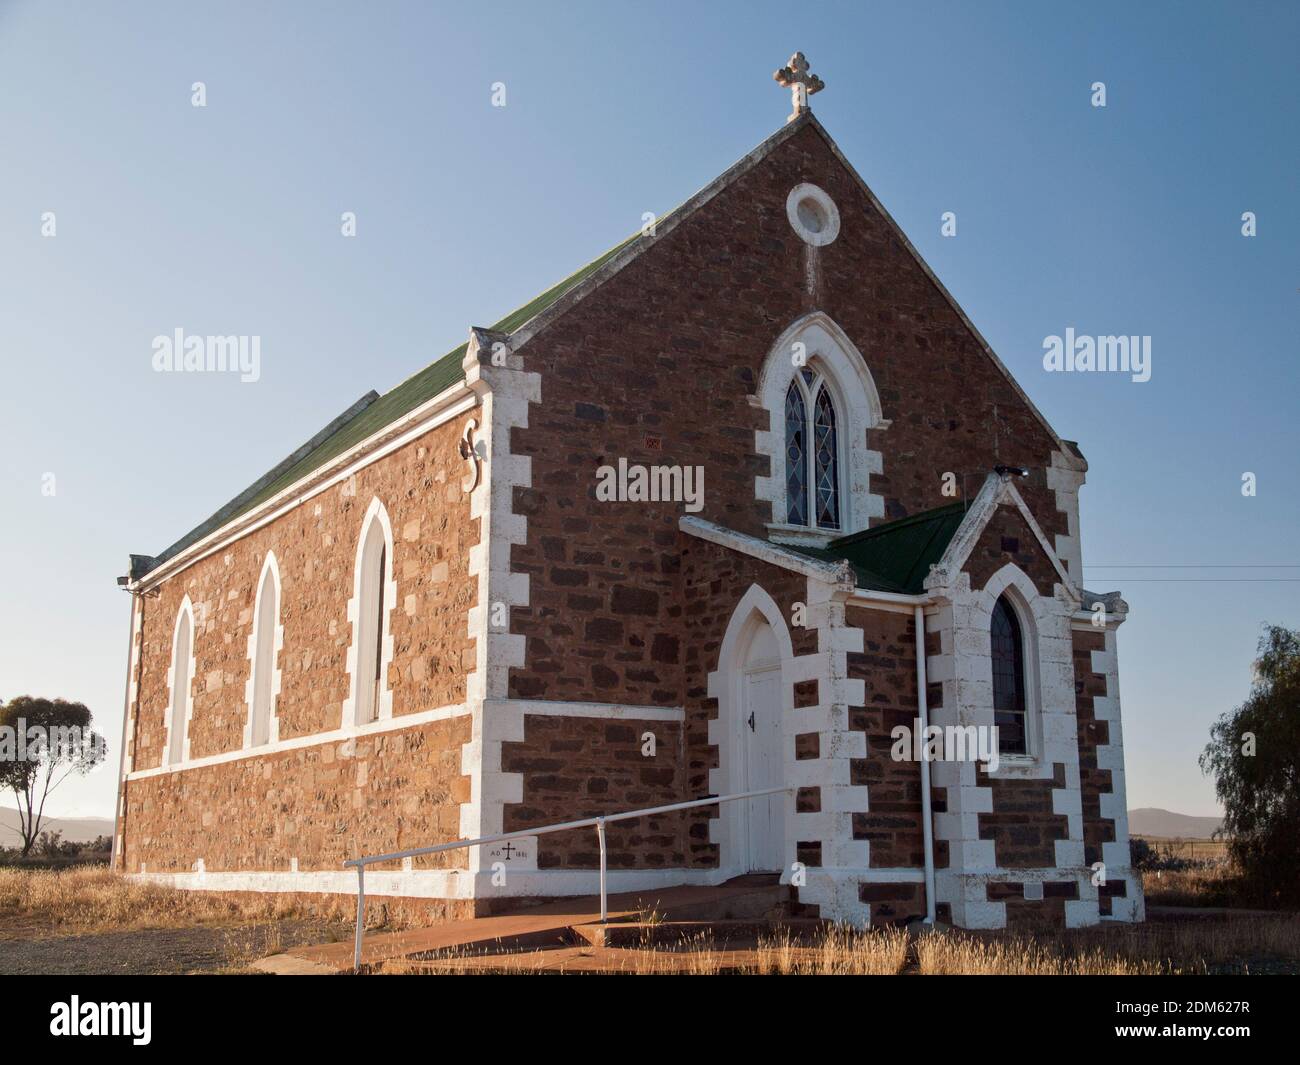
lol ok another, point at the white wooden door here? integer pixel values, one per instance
(761, 730)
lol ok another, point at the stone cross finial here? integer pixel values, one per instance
(801, 84)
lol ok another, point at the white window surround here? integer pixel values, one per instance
(180, 707)
(813, 215)
(857, 404)
(1019, 593)
(1050, 729)
(271, 643)
(963, 667)
(376, 531)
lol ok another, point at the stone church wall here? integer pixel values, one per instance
(576, 767)
(277, 806)
(713, 581)
(1023, 824)
(1101, 772)
(314, 806)
(887, 668)
(658, 366)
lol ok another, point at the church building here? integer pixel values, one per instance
(747, 504)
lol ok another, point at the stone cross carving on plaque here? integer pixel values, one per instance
(801, 84)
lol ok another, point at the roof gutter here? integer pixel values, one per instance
(898, 602)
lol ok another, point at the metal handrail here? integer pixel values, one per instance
(598, 823)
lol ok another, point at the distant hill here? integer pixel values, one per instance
(74, 829)
(1150, 821)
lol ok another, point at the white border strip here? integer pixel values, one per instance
(839, 574)
(458, 883)
(608, 711)
(438, 883)
(313, 739)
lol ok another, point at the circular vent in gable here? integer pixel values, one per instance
(813, 215)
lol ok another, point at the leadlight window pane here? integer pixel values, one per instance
(826, 455)
(1008, 652)
(796, 457)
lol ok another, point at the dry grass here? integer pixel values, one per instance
(836, 951)
(961, 953)
(839, 951)
(1212, 884)
(1196, 946)
(86, 900)
(93, 899)
(1193, 947)
(1196, 850)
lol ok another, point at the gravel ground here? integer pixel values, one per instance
(221, 948)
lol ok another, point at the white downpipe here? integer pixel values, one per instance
(604, 898)
(923, 715)
(361, 917)
(119, 806)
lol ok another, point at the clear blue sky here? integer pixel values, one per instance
(225, 220)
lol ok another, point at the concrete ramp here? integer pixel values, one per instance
(756, 900)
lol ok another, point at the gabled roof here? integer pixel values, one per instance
(998, 490)
(370, 414)
(896, 556)
(523, 324)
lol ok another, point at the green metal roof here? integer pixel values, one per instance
(896, 556)
(365, 419)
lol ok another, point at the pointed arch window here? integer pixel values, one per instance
(265, 628)
(373, 590)
(796, 456)
(179, 712)
(1008, 650)
(826, 464)
(812, 460)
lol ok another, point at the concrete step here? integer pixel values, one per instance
(744, 898)
(550, 926)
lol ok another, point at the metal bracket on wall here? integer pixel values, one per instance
(469, 452)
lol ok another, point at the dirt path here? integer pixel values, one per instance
(218, 948)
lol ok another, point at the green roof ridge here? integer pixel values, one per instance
(900, 523)
(896, 556)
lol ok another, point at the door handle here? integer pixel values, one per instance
(751, 721)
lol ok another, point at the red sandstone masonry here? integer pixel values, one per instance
(1094, 782)
(659, 370)
(315, 546)
(578, 767)
(563, 759)
(1008, 538)
(713, 581)
(893, 905)
(1023, 826)
(887, 668)
(319, 804)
